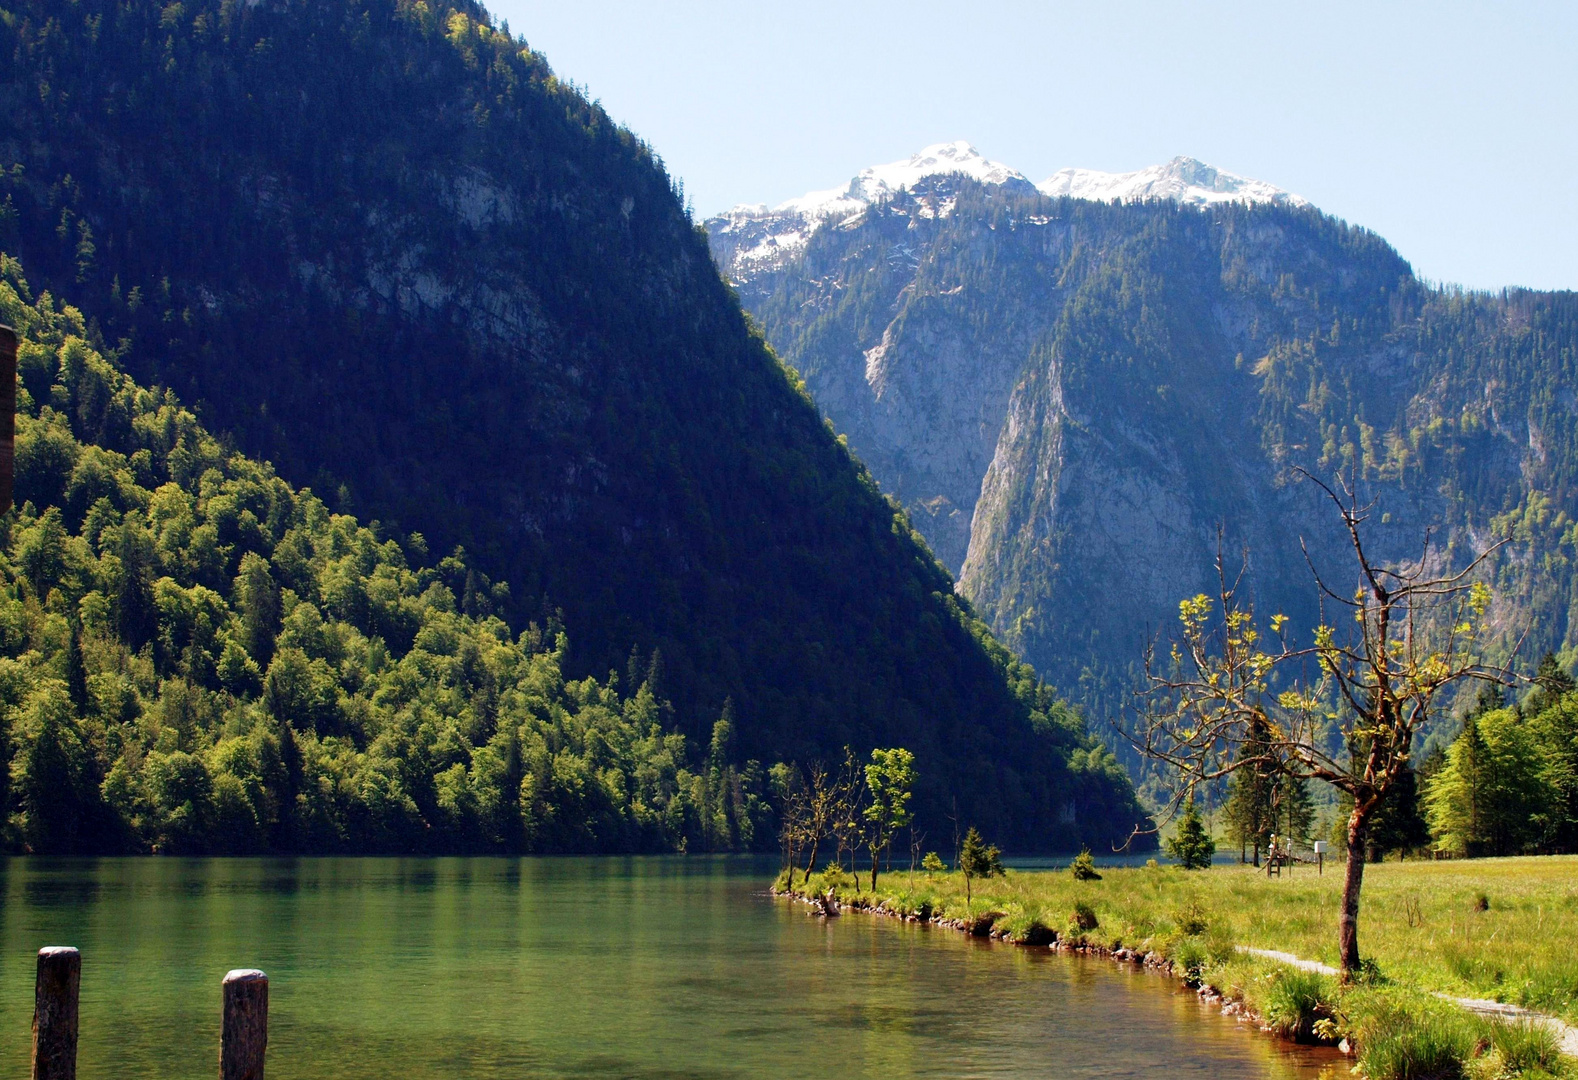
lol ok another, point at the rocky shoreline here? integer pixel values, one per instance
(984, 926)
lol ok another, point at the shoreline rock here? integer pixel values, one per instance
(984, 926)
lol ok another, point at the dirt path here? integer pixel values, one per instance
(1566, 1034)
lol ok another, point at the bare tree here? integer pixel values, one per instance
(828, 806)
(793, 814)
(1229, 696)
(849, 823)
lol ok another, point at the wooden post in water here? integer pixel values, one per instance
(55, 1011)
(244, 1038)
(7, 413)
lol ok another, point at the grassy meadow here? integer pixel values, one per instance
(1504, 929)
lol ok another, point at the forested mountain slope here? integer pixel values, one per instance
(196, 657)
(381, 245)
(1069, 397)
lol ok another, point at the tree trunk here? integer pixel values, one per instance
(873, 869)
(1353, 880)
(810, 863)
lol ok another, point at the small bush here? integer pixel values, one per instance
(1370, 973)
(1526, 1047)
(1297, 1001)
(933, 863)
(1192, 919)
(1189, 955)
(1219, 947)
(981, 925)
(1084, 917)
(1428, 1049)
(910, 902)
(1027, 927)
(1084, 867)
(1410, 1036)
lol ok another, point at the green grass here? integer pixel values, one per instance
(1422, 925)
(1420, 922)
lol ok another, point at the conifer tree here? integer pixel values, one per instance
(1555, 729)
(1191, 845)
(1251, 789)
(1494, 796)
(977, 859)
(1552, 682)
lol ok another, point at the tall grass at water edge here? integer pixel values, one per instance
(1499, 929)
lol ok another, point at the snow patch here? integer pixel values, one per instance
(881, 181)
(1183, 179)
(757, 238)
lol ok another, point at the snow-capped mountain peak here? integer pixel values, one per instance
(751, 239)
(878, 181)
(1183, 179)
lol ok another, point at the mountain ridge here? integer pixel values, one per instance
(753, 238)
(1070, 396)
(380, 244)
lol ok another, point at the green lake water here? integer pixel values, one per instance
(491, 968)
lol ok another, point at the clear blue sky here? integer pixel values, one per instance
(1450, 129)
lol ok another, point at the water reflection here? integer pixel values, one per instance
(573, 968)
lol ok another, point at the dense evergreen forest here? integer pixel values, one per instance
(1069, 398)
(1505, 784)
(197, 657)
(381, 245)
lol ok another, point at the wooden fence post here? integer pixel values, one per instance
(7, 413)
(55, 1013)
(244, 1038)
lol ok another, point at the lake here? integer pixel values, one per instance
(608, 967)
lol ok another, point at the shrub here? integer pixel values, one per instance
(981, 925)
(933, 863)
(1428, 1049)
(1369, 973)
(1084, 917)
(1191, 844)
(1027, 927)
(1298, 1000)
(1526, 1047)
(1219, 947)
(1192, 919)
(1084, 867)
(1189, 956)
(1407, 1036)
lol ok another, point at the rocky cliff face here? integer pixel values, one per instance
(1071, 399)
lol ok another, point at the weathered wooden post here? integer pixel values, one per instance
(7, 413)
(244, 1038)
(55, 1008)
